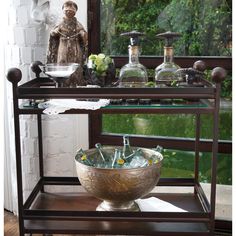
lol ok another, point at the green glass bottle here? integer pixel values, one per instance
(127, 153)
(82, 157)
(103, 155)
(117, 157)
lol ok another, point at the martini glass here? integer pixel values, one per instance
(59, 72)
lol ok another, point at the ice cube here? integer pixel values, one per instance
(126, 166)
(138, 161)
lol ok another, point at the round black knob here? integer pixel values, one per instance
(14, 75)
(218, 74)
(35, 68)
(199, 65)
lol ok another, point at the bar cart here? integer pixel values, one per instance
(74, 213)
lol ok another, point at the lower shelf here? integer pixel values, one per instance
(114, 228)
(82, 202)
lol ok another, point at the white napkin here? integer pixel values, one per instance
(56, 106)
(156, 205)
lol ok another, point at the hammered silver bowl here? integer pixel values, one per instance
(118, 188)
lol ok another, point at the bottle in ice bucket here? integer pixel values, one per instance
(82, 157)
(116, 158)
(103, 155)
(128, 153)
(138, 159)
(154, 159)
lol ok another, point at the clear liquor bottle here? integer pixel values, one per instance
(116, 158)
(82, 157)
(133, 74)
(105, 158)
(128, 152)
(165, 73)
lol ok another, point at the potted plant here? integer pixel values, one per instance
(100, 70)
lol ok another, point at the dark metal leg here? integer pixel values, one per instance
(40, 144)
(197, 140)
(214, 157)
(18, 162)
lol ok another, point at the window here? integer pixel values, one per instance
(206, 28)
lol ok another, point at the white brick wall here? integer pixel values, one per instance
(22, 13)
(26, 55)
(31, 36)
(19, 36)
(27, 42)
(15, 55)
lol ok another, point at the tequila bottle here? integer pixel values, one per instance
(133, 74)
(165, 73)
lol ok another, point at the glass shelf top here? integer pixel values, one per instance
(161, 104)
(164, 103)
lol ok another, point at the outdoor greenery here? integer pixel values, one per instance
(178, 126)
(181, 125)
(180, 164)
(205, 25)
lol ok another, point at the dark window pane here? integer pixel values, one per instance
(180, 164)
(167, 125)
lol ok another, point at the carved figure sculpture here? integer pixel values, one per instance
(68, 42)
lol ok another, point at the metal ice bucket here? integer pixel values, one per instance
(118, 188)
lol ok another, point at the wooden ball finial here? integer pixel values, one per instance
(35, 68)
(199, 65)
(14, 75)
(218, 74)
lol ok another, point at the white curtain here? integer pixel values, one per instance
(8, 171)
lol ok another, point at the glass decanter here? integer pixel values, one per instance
(133, 74)
(165, 73)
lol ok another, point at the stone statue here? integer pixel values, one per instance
(68, 42)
